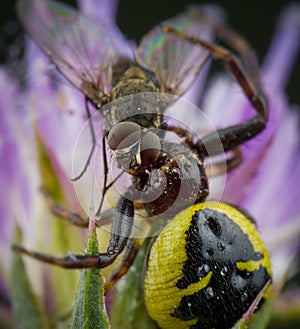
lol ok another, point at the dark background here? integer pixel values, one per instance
(255, 20)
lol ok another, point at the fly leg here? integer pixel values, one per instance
(93, 136)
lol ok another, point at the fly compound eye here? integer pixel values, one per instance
(124, 135)
(150, 148)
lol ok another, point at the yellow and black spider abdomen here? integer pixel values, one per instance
(205, 268)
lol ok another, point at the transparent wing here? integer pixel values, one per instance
(82, 51)
(175, 61)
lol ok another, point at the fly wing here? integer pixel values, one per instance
(82, 51)
(174, 60)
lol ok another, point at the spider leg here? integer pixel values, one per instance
(232, 162)
(234, 135)
(237, 43)
(121, 229)
(127, 260)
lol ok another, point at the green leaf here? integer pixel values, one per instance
(262, 317)
(89, 309)
(129, 310)
(258, 319)
(27, 311)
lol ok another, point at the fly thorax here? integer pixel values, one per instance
(135, 98)
(134, 80)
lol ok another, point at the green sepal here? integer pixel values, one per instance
(48, 174)
(89, 309)
(27, 310)
(262, 318)
(258, 319)
(129, 310)
(286, 313)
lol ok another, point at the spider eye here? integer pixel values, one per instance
(124, 135)
(150, 147)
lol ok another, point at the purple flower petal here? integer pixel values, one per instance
(282, 55)
(253, 153)
(59, 114)
(18, 170)
(272, 184)
(277, 171)
(106, 9)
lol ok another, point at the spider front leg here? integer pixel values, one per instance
(237, 43)
(235, 135)
(121, 230)
(231, 163)
(127, 260)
